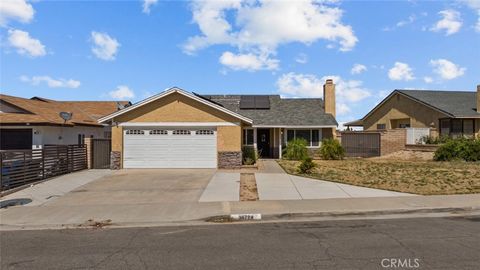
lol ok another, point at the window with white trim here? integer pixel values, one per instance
(247, 136)
(204, 132)
(312, 136)
(181, 132)
(135, 132)
(158, 132)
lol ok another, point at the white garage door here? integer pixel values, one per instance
(170, 148)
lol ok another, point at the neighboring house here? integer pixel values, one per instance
(32, 123)
(451, 113)
(179, 129)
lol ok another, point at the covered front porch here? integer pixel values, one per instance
(269, 142)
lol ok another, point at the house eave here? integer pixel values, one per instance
(168, 92)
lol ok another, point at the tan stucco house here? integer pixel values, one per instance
(180, 129)
(450, 113)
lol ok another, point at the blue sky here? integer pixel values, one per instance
(103, 50)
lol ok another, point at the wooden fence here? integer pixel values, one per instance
(100, 153)
(361, 144)
(21, 167)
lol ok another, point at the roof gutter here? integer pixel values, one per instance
(287, 126)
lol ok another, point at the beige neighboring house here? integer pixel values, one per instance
(450, 113)
(180, 129)
(31, 123)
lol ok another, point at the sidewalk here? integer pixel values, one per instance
(194, 213)
(50, 189)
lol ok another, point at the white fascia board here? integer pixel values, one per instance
(177, 124)
(168, 92)
(279, 126)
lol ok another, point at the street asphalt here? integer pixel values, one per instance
(415, 243)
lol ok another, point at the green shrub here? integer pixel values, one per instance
(331, 149)
(307, 166)
(249, 155)
(296, 149)
(459, 149)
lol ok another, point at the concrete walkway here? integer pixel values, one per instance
(223, 187)
(274, 184)
(269, 166)
(54, 188)
(290, 187)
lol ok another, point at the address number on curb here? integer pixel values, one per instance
(246, 216)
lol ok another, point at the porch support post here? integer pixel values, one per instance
(280, 143)
(255, 139)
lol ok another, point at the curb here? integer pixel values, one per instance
(337, 214)
(263, 218)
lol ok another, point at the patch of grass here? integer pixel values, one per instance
(419, 177)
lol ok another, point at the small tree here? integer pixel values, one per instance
(307, 166)
(249, 155)
(296, 149)
(331, 149)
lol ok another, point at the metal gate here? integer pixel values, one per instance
(101, 153)
(361, 144)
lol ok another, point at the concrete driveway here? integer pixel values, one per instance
(140, 186)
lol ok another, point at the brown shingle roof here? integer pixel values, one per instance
(46, 111)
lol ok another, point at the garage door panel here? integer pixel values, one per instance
(170, 151)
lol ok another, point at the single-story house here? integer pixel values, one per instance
(180, 129)
(31, 123)
(451, 113)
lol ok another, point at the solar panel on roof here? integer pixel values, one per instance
(262, 102)
(247, 102)
(254, 102)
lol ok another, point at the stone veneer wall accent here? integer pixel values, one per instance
(115, 160)
(229, 160)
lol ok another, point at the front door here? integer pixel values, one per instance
(263, 142)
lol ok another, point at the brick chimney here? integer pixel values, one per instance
(478, 98)
(329, 97)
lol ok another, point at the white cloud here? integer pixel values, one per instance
(147, 4)
(248, 61)
(301, 58)
(342, 109)
(52, 83)
(19, 10)
(477, 26)
(447, 70)
(410, 20)
(450, 22)
(105, 47)
(259, 27)
(122, 92)
(428, 79)
(25, 44)
(474, 5)
(358, 68)
(308, 85)
(401, 72)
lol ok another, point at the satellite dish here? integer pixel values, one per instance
(66, 116)
(119, 106)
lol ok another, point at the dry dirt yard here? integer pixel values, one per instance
(419, 177)
(248, 187)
